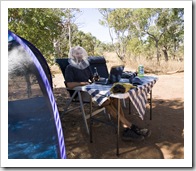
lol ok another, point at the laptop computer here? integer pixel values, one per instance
(114, 76)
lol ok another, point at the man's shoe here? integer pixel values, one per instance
(130, 135)
(141, 131)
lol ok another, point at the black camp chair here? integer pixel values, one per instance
(100, 63)
(78, 96)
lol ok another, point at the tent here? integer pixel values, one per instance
(34, 126)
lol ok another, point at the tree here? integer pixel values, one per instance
(69, 20)
(117, 21)
(38, 25)
(72, 36)
(163, 26)
(136, 29)
(86, 40)
(52, 31)
(134, 46)
(146, 22)
(64, 40)
(174, 35)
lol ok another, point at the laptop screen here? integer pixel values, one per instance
(115, 74)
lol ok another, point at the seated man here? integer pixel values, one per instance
(78, 73)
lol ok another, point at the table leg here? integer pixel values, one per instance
(129, 106)
(91, 122)
(150, 104)
(118, 128)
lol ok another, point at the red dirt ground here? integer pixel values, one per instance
(167, 126)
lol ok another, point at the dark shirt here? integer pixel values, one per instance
(73, 74)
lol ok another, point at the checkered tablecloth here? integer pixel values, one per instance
(138, 96)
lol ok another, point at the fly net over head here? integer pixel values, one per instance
(78, 57)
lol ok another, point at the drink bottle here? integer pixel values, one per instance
(96, 75)
(140, 71)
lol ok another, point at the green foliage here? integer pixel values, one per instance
(173, 38)
(118, 23)
(146, 31)
(85, 40)
(52, 31)
(156, 32)
(134, 46)
(79, 38)
(38, 25)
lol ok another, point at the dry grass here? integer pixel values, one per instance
(55, 69)
(166, 67)
(150, 66)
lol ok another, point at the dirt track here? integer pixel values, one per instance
(167, 125)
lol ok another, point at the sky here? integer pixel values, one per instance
(88, 21)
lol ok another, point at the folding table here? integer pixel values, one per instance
(138, 97)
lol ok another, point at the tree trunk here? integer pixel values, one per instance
(175, 49)
(158, 54)
(69, 27)
(164, 49)
(57, 51)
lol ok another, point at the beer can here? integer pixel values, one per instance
(140, 71)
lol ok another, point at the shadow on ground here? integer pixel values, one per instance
(166, 140)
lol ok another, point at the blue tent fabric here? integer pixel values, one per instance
(27, 117)
(34, 127)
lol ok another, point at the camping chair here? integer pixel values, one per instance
(63, 63)
(100, 63)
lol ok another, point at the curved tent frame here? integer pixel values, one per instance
(45, 83)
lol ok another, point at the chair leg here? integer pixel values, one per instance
(83, 112)
(70, 100)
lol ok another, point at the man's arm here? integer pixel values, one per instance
(71, 85)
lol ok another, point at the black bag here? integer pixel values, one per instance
(118, 89)
(127, 74)
(136, 81)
